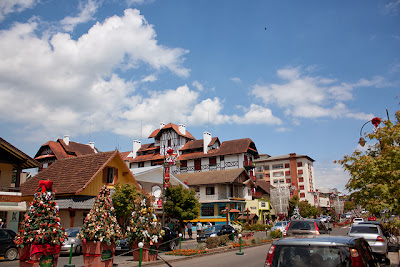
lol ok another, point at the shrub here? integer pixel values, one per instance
(257, 227)
(212, 242)
(223, 240)
(276, 234)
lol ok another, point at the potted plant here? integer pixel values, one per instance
(100, 231)
(144, 227)
(40, 234)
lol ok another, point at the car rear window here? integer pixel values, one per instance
(278, 224)
(302, 225)
(287, 256)
(364, 229)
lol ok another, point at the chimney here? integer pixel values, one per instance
(66, 139)
(91, 144)
(182, 129)
(162, 125)
(292, 155)
(206, 141)
(136, 146)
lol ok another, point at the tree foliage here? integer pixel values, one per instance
(374, 174)
(123, 201)
(307, 210)
(181, 204)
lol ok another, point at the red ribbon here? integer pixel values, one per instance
(45, 185)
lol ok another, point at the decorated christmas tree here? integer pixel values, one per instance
(143, 226)
(101, 224)
(41, 224)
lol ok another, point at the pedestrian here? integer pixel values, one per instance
(1, 223)
(209, 224)
(199, 227)
(189, 228)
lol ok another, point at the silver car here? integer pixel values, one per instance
(280, 226)
(72, 240)
(374, 236)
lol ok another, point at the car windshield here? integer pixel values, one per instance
(302, 225)
(72, 232)
(288, 256)
(214, 228)
(364, 229)
(278, 224)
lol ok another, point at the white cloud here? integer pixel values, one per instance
(12, 6)
(236, 80)
(258, 115)
(86, 14)
(392, 7)
(306, 96)
(150, 78)
(198, 85)
(330, 175)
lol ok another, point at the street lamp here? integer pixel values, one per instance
(375, 121)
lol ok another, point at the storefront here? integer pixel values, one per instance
(11, 209)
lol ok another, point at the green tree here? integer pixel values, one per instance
(306, 210)
(123, 201)
(349, 206)
(181, 204)
(293, 202)
(374, 174)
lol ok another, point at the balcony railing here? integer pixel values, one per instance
(248, 164)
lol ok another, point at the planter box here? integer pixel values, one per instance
(98, 254)
(45, 257)
(146, 256)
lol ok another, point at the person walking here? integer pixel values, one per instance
(199, 227)
(189, 229)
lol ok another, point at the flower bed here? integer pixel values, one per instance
(186, 252)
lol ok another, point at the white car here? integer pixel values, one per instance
(357, 220)
(280, 226)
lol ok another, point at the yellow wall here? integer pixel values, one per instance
(6, 174)
(97, 183)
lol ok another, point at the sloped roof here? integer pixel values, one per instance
(283, 157)
(196, 144)
(10, 153)
(265, 186)
(62, 151)
(72, 175)
(175, 127)
(148, 157)
(211, 177)
(244, 216)
(77, 148)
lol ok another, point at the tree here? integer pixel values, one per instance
(306, 210)
(293, 203)
(181, 204)
(349, 206)
(374, 174)
(101, 224)
(123, 201)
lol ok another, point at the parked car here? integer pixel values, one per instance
(372, 218)
(325, 218)
(374, 236)
(170, 240)
(8, 249)
(122, 246)
(357, 220)
(316, 251)
(72, 240)
(216, 230)
(306, 227)
(281, 226)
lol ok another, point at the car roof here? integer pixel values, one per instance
(370, 222)
(365, 225)
(318, 240)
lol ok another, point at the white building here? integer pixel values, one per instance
(293, 171)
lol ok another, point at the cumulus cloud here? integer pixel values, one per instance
(198, 85)
(86, 14)
(306, 96)
(13, 6)
(236, 80)
(330, 175)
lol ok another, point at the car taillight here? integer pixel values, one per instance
(356, 260)
(316, 228)
(380, 239)
(287, 226)
(270, 256)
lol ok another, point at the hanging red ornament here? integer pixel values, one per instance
(376, 121)
(170, 151)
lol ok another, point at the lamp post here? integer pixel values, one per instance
(140, 245)
(375, 121)
(240, 245)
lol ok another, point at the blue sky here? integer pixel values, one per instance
(294, 76)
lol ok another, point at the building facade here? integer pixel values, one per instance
(293, 171)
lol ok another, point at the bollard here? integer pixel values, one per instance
(140, 253)
(240, 245)
(233, 235)
(180, 240)
(70, 258)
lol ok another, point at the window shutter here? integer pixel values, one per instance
(105, 170)
(115, 176)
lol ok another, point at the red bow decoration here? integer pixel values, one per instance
(376, 121)
(170, 151)
(45, 185)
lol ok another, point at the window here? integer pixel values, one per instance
(259, 169)
(184, 164)
(210, 190)
(301, 179)
(263, 205)
(267, 175)
(110, 175)
(301, 187)
(287, 173)
(197, 164)
(275, 181)
(266, 168)
(299, 164)
(300, 172)
(140, 164)
(286, 165)
(221, 210)
(277, 166)
(281, 181)
(259, 176)
(169, 142)
(288, 181)
(277, 174)
(213, 161)
(196, 189)
(221, 158)
(302, 195)
(207, 211)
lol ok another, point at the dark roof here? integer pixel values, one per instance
(282, 157)
(265, 186)
(61, 150)
(212, 177)
(244, 216)
(175, 127)
(76, 202)
(198, 144)
(9, 153)
(72, 175)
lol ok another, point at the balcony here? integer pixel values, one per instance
(248, 164)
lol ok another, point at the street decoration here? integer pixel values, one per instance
(40, 234)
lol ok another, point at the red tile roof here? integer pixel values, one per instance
(61, 150)
(72, 175)
(212, 177)
(175, 128)
(197, 144)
